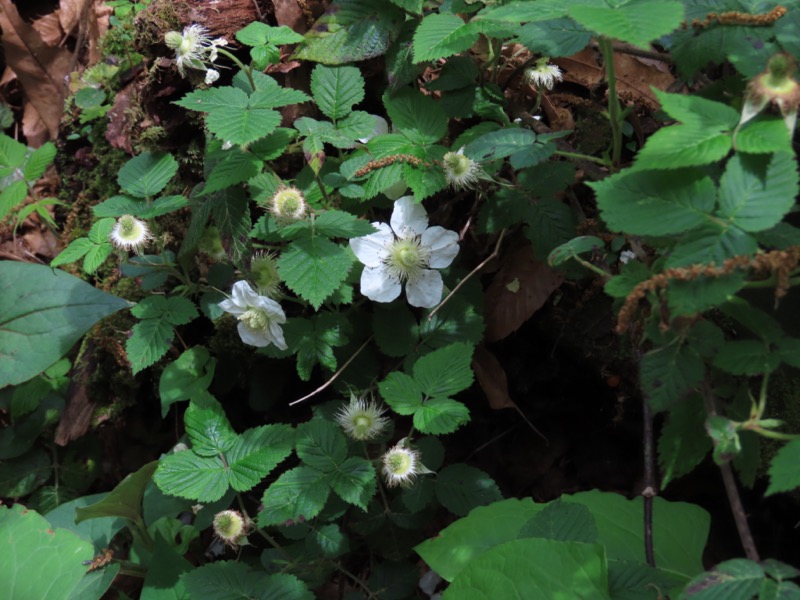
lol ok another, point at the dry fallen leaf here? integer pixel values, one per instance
(507, 310)
(41, 69)
(492, 378)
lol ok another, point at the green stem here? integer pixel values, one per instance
(770, 282)
(614, 111)
(762, 397)
(270, 540)
(591, 267)
(775, 435)
(579, 156)
(247, 70)
(132, 569)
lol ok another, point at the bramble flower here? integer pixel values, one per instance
(543, 75)
(361, 420)
(194, 49)
(408, 251)
(776, 85)
(260, 318)
(288, 205)
(230, 527)
(264, 269)
(460, 170)
(129, 233)
(401, 465)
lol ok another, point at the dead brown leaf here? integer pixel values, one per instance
(635, 75)
(518, 290)
(492, 378)
(41, 69)
(582, 68)
(289, 13)
(49, 27)
(34, 128)
(118, 131)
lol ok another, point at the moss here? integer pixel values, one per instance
(160, 17)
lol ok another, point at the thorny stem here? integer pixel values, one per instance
(739, 515)
(590, 266)
(650, 485)
(614, 112)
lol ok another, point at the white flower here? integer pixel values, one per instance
(627, 256)
(194, 49)
(361, 420)
(543, 75)
(459, 170)
(129, 233)
(401, 465)
(260, 318)
(408, 251)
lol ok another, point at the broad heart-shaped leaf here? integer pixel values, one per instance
(756, 191)
(99, 531)
(440, 415)
(683, 443)
(189, 475)
(321, 445)
(237, 581)
(668, 372)
(655, 202)
(401, 393)
(208, 428)
(146, 175)
(534, 568)
(191, 373)
(354, 481)
(124, 501)
(680, 532)
(255, 453)
(337, 89)
(314, 267)
(705, 135)
(440, 35)
(301, 492)
(446, 371)
(412, 111)
(737, 578)
(27, 544)
(460, 488)
(499, 144)
(563, 522)
(636, 22)
(350, 31)
(43, 312)
(784, 471)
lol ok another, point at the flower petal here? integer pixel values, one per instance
(408, 214)
(272, 308)
(276, 335)
(443, 246)
(243, 295)
(229, 306)
(426, 290)
(371, 249)
(378, 285)
(253, 337)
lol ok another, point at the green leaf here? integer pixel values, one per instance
(747, 357)
(499, 144)
(554, 37)
(733, 579)
(151, 338)
(460, 488)
(146, 175)
(256, 453)
(703, 137)
(314, 267)
(563, 522)
(655, 202)
(300, 492)
(76, 250)
(340, 224)
(321, 445)
(328, 540)
(638, 581)
(22, 475)
(337, 89)
(683, 443)
(394, 327)
(440, 35)
(123, 501)
(636, 22)
(784, 470)
(43, 312)
(534, 567)
(413, 112)
(763, 135)
(314, 340)
(38, 161)
(350, 31)
(99, 531)
(234, 167)
(27, 543)
(190, 374)
(11, 196)
(12, 154)
(162, 581)
(189, 475)
(208, 428)
(668, 372)
(354, 481)
(116, 206)
(440, 415)
(270, 94)
(573, 248)
(446, 371)
(237, 581)
(401, 393)
(756, 191)
(258, 34)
